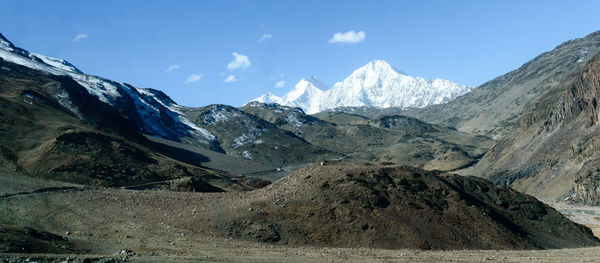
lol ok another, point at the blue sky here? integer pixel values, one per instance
(468, 42)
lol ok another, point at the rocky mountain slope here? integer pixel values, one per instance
(494, 107)
(150, 110)
(397, 139)
(250, 137)
(552, 151)
(376, 84)
(53, 127)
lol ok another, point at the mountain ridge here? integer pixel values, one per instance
(551, 151)
(376, 84)
(151, 110)
(493, 107)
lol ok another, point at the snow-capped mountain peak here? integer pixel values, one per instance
(376, 67)
(376, 84)
(268, 98)
(305, 87)
(307, 94)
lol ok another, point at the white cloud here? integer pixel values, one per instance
(280, 84)
(240, 61)
(80, 37)
(230, 78)
(194, 78)
(349, 37)
(265, 37)
(173, 67)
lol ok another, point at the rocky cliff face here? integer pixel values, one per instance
(494, 107)
(553, 150)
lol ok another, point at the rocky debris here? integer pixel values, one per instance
(192, 184)
(255, 231)
(125, 253)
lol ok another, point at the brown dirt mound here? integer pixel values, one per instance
(350, 205)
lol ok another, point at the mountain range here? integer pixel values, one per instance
(332, 165)
(515, 124)
(271, 134)
(376, 84)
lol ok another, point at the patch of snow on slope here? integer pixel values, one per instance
(27, 62)
(240, 141)
(5, 44)
(246, 155)
(199, 131)
(180, 116)
(218, 113)
(253, 134)
(293, 120)
(169, 105)
(100, 88)
(64, 100)
(58, 63)
(582, 54)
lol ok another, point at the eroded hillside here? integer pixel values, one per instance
(552, 153)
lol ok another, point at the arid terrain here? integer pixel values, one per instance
(103, 224)
(97, 170)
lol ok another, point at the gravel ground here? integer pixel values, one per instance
(235, 251)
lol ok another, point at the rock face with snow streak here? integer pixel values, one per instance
(250, 137)
(376, 84)
(150, 110)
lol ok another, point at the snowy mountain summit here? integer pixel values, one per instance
(376, 84)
